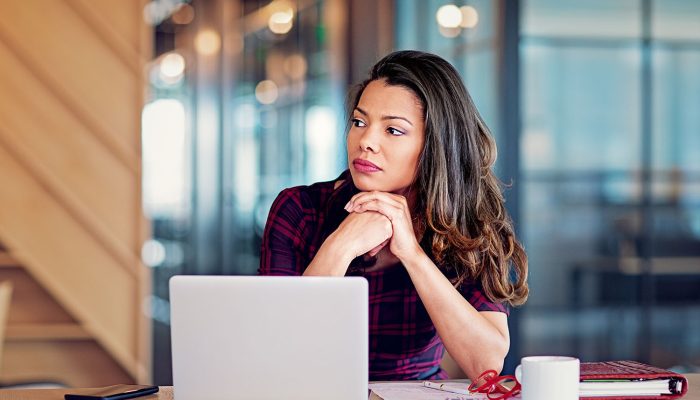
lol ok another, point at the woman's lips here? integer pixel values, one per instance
(365, 166)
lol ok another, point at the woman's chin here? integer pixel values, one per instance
(367, 183)
(374, 182)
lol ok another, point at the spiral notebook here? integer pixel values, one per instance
(629, 379)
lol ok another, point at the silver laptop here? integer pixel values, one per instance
(253, 337)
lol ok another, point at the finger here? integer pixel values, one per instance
(379, 196)
(393, 212)
(365, 197)
(353, 200)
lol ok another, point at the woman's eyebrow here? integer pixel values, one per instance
(385, 117)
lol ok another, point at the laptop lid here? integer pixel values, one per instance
(254, 337)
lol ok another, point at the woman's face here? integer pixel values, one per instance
(386, 138)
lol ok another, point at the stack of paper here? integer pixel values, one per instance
(414, 390)
(610, 388)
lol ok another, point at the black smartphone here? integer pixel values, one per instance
(116, 392)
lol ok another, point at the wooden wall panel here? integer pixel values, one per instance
(5, 298)
(74, 63)
(76, 363)
(31, 303)
(71, 92)
(89, 171)
(123, 18)
(64, 258)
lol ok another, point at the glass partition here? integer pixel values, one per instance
(609, 164)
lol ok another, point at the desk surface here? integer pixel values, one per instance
(166, 392)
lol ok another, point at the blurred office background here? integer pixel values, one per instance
(594, 105)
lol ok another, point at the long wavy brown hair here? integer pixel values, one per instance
(459, 198)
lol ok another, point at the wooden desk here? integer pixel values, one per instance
(166, 392)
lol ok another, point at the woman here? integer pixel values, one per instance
(419, 214)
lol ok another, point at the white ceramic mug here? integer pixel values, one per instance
(548, 378)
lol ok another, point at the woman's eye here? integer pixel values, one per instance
(394, 131)
(357, 123)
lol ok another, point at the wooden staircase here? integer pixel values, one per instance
(43, 342)
(71, 93)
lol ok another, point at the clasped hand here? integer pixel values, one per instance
(387, 220)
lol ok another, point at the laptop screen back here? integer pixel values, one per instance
(252, 337)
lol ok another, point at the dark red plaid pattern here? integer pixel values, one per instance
(403, 342)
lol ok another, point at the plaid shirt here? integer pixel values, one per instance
(403, 342)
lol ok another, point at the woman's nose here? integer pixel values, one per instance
(369, 141)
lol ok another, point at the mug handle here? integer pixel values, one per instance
(519, 373)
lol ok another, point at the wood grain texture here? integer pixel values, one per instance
(65, 260)
(83, 175)
(31, 303)
(164, 393)
(121, 18)
(6, 260)
(71, 95)
(44, 331)
(5, 297)
(60, 50)
(120, 37)
(72, 362)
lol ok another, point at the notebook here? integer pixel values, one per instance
(628, 379)
(254, 337)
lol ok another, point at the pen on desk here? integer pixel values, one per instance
(441, 386)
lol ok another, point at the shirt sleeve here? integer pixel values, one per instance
(474, 293)
(283, 241)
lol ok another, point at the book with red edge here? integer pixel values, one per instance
(629, 380)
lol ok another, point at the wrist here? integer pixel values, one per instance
(341, 251)
(330, 260)
(415, 256)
